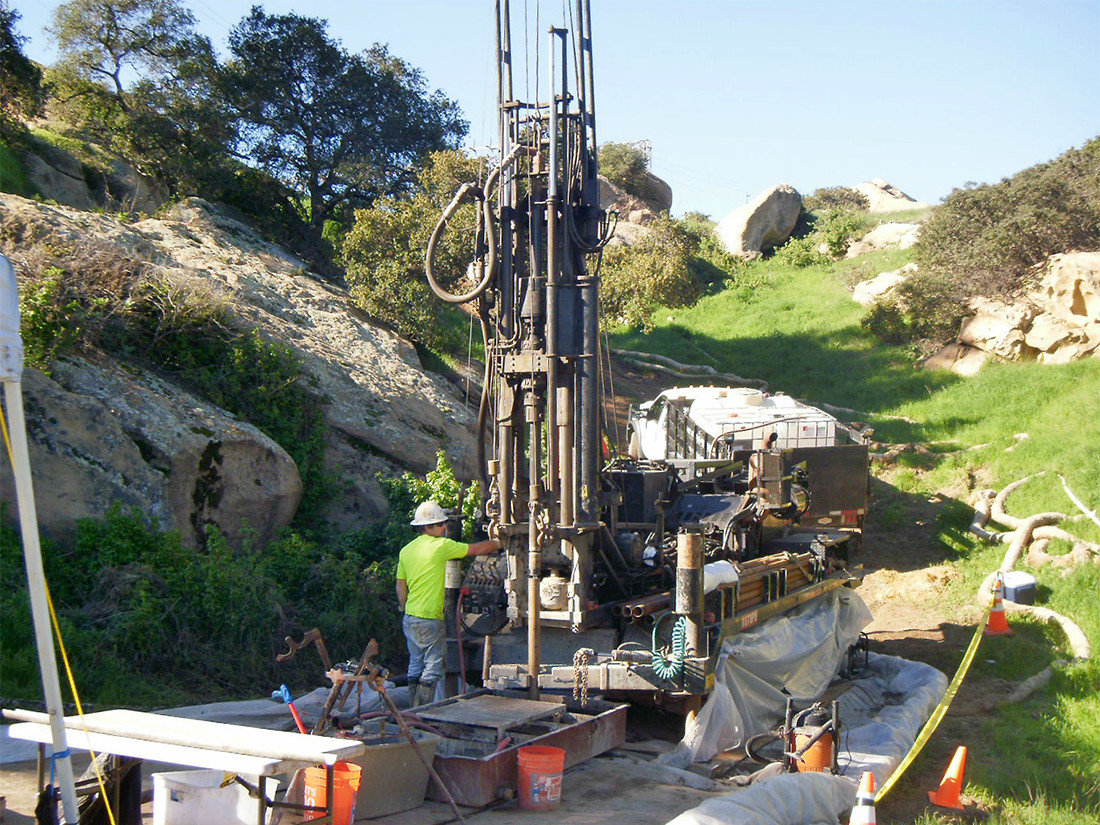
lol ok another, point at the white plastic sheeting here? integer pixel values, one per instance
(881, 711)
(795, 655)
(787, 799)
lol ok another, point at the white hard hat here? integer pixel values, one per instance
(427, 514)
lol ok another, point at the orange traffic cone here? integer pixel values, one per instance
(948, 794)
(997, 624)
(863, 813)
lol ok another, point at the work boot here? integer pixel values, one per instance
(425, 693)
(413, 685)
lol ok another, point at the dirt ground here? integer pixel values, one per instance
(905, 577)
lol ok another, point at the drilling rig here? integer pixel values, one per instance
(603, 578)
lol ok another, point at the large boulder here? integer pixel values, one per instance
(384, 411)
(886, 236)
(875, 289)
(885, 197)
(100, 435)
(762, 224)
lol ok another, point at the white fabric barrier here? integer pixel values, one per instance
(881, 712)
(795, 655)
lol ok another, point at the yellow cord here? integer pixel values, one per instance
(61, 646)
(941, 709)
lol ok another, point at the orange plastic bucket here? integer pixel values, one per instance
(540, 768)
(345, 785)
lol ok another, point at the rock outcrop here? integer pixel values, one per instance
(1056, 322)
(385, 412)
(762, 224)
(58, 175)
(635, 213)
(885, 197)
(102, 435)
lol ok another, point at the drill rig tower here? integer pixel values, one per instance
(595, 547)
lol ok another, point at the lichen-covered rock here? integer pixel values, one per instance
(384, 411)
(100, 435)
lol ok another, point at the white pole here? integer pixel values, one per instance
(11, 370)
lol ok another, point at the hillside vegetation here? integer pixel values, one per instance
(152, 625)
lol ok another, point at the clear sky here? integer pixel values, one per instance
(736, 96)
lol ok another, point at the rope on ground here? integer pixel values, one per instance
(659, 363)
(1022, 535)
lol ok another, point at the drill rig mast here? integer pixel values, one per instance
(589, 542)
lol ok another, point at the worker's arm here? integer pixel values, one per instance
(482, 548)
(402, 594)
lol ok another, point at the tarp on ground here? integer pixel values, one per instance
(881, 711)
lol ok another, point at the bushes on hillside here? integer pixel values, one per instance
(984, 240)
(988, 236)
(823, 237)
(138, 608)
(626, 166)
(835, 197)
(384, 251)
(635, 280)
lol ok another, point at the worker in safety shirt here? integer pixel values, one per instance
(420, 594)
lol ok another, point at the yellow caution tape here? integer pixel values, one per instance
(940, 711)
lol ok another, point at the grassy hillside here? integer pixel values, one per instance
(800, 330)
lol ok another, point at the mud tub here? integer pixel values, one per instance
(483, 732)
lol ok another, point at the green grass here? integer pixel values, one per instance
(796, 328)
(1032, 763)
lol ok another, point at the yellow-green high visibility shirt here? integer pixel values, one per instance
(422, 563)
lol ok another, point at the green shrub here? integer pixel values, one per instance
(886, 321)
(49, 319)
(635, 280)
(801, 252)
(837, 228)
(12, 178)
(710, 263)
(835, 197)
(987, 237)
(384, 253)
(626, 167)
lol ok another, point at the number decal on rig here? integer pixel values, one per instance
(749, 619)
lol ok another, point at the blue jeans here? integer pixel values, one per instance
(427, 643)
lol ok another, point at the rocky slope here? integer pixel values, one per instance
(102, 431)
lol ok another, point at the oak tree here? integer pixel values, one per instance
(342, 129)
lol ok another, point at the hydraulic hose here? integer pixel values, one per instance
(486, 219)
(670, 666)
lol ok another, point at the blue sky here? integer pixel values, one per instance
(736, 96)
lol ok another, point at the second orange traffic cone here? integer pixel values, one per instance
(863, 813)
(997, 624)
(947, 796)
